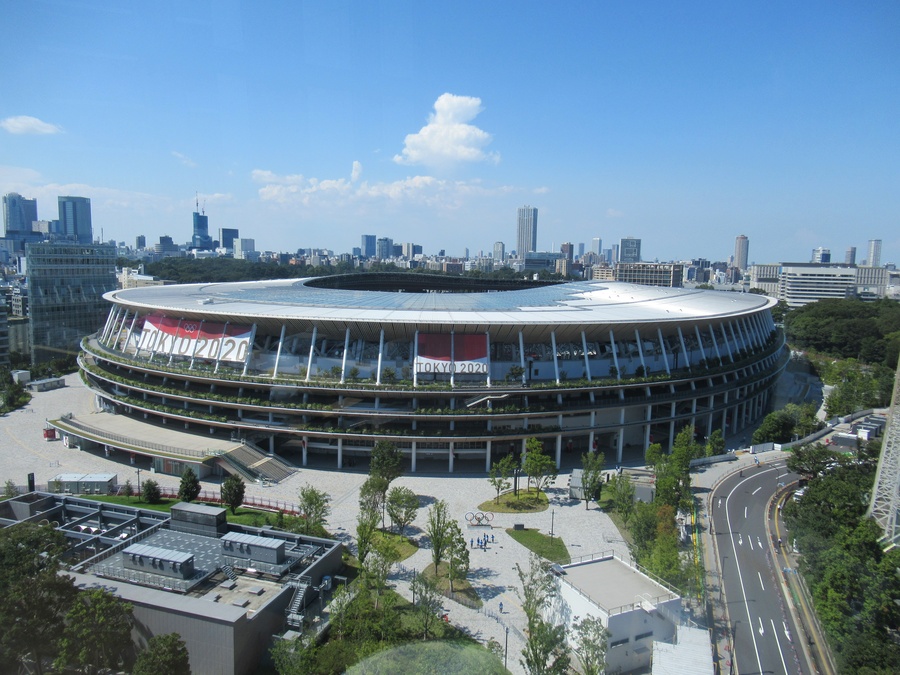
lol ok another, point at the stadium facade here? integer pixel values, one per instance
(455, 370)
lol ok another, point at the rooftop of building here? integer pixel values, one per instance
(614, 585)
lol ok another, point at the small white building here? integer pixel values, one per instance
(636, 610)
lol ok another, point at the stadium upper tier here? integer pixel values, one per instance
(452, 364)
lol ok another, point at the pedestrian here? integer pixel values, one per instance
(492, 538)
(501, 608)
(471, 543)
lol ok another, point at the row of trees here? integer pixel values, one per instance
(853, 580)
(794, 421)
(48, 622)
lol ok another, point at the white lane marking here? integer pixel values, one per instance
(762, 631)
(750, 541)
(778, 642)
(759, 574)
(787, 632)
(756, 490)
(758, 542)
(740, 539)
(745, 512)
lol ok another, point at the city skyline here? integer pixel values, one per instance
(306, 125)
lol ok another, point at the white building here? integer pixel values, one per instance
(636, 610)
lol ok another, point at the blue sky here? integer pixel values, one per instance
(309, 124)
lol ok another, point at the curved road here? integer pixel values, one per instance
(763, 628)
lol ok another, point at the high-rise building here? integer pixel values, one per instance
(874, 259)
(384, 248)
(580, 249)
(18, 213)
(66, 283)
(368, 245)
(568, 251)
(243, 248)
(850, 258)
(140, 242)
(526, 232)
(200, 238)
(75, 219)
(227, 235)
(630, 250)
(597, 245)
(499, 251)
(741, 252)
(821, 255)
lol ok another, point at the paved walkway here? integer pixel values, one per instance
(493, 569)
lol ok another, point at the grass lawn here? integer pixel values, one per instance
(528, 501)
(461, 587)
(553, 549)
(405, 546)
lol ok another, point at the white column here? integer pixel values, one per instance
(522, 358)
(558, 451)
(637, 338)
(312, 351)
(587, 361)
(487, 457)
(662, 346)
(612, 341)
(487, 340)
(340, 456)
(250, 349)
(712, 334)
(278, 351)
(555, 359)
(684, 351)
(413, 457)
(304, 444)
(450, 457)
(380, 354)
(344, 358)
(452, 362)
(196, 343)
(219, 350)
(700, 342)
(415, 361)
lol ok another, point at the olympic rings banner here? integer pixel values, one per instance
(466, 354)
(479, 517)
(196, 339)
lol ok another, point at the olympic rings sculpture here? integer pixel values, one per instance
(479, 517)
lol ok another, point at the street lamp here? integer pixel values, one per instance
(139, 481)
(516, 482)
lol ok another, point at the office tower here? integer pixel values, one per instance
(227, 235)
(630, 251)
(614, 258)
(18, 213)
(874, 259)
(597, 245)
(243, 247)
(741, 251)
(368, 245)
(411, 250)
(526, 233)
(384, 248)
(75, 219)
(850, 258)
(499, 251)
(66, 283)
(581, 249)
(821, 255)
(200, 238)
(568, 251)
(140, 242)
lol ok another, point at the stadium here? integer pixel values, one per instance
(454, 371)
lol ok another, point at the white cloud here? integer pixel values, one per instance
(184, 159)
(614, 213)
(448, 138)
(23, 124)
(356, 172)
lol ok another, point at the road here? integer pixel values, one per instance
(763, 627)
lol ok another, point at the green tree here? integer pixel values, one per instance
(366, 528)
(544, 650)
(10, 490)
(540, 468)
(128, 489)
(98, 632)
(314, 507)
(654, 455)
(150, 492)
(295, 656)
(811, 460)
(715, 444)
(189, 488)
(499, 475)
(164, 654)
(623, 496)
(373, 495)
(428, 602)
(643, 530)
(537, 587)
(387, 461)
(437, 529)
(402, 505)
(232, 492)
(591, 476)
(38, 608)
(591, 643)
(458, 554)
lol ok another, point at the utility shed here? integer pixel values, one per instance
(691, 655)
(263, 549)
(156, 560)
(207, 521)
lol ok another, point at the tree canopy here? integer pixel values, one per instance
(232, 491)
(189, 489)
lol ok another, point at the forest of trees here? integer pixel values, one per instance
(853, 581)
(866, 331)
